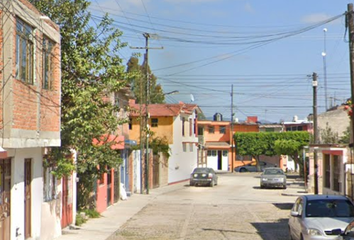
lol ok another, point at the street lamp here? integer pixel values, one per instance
(324, 53)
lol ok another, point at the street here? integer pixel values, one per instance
(234, 209)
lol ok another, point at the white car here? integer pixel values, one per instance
(320, 217)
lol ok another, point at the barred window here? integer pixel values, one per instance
(24, 52)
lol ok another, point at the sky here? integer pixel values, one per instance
(246, 57)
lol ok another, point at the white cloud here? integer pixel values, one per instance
(315, 18)
(249, 8)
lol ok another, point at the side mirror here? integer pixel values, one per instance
(294, 214)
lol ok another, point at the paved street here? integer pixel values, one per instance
(235, 209)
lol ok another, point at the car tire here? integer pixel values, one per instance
(191, 184)
(212, 184)
(284, 186)
(243, 170)
(262, 186)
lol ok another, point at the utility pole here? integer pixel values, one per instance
(146, 117)
(315, 133)
(232, 128)
(350, 25)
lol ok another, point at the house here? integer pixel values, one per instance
(107, 188)
(177, 124)
(298, 125)
(31, 198)
(335, 169)
(328, 121)
(215, 142)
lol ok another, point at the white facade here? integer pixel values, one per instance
(184, 152)
(218, 160)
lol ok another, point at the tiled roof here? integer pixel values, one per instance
(163, 110)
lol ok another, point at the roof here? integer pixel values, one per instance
(270, 126)
(163, 109)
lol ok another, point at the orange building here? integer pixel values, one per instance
(216, 149)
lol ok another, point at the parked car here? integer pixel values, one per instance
(203, 176)
(252, 167)
(273, 177)
(320, 217)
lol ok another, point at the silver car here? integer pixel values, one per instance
(273, 177)
(320, 217)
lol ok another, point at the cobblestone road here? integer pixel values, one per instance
(235, 209)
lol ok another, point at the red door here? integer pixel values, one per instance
(28, 212)
(67, 206)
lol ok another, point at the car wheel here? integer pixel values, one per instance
(284, 186)
(212, 184)
(262, 186)
(191, 184)
(243, 170)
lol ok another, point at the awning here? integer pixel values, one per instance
(217, 145)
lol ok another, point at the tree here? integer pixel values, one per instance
(138, 82)
(328, 136)
(271, 144)
(91, 70)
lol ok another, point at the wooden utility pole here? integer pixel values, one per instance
(146, 116)
(315, 132)
(350, 25)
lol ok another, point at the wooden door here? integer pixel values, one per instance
(28, 211)
(67, 206)
(5, 201)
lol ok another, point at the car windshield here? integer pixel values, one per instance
(201, 170)
(273, 172)
(329, 208)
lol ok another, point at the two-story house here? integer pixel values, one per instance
(216, 145)
(30, 76)
(177, 123)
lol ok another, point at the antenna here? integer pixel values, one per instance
(192, 98)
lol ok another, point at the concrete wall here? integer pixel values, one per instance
(338, 120)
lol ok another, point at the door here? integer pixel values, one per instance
(156, 171)
(5, 201)
(219, 160)
(28, 179)
(67, 206)
(109, 187)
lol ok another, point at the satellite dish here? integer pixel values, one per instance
(192, 98)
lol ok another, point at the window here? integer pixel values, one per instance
(211, 129)
(47, 63)
(130, 123)
(190, 127)
(24, 52)
(49, 184)
(183, 120)
(225, 153)
(154, 122)
(191, 147)
(336, 173)
(222, 129)
(184, 145)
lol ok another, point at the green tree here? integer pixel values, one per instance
(345, 139)
(91, 69)
(328, 135)
(256, 144)
(138, 82)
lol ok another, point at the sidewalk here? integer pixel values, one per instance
(295, 186)
(114, 217)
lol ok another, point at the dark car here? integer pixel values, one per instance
(252, 167)
(203, 176)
